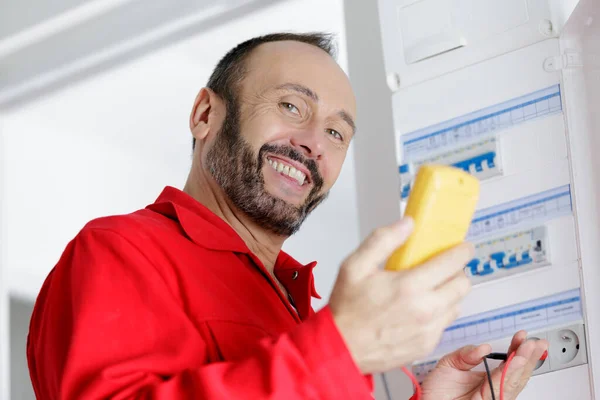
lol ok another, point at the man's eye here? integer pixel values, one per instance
(290, 107)
(335, 134)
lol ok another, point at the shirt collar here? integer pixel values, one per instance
(208, 230)
(199, 223)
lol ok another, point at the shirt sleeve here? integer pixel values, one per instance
(107, 324)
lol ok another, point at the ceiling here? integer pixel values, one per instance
(44, 45)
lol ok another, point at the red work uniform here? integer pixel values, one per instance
(169, 303)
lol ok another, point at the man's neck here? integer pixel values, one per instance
(264, 244)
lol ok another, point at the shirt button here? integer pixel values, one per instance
(295, 275)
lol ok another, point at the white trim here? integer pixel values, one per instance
(4, 287)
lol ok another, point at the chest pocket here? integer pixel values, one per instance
(235, 340)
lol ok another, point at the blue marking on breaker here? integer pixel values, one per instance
(472, 265)
(512, 262)
(487, 269)
(477, 161)
(405, 191)
(404, 169)
(499, 258)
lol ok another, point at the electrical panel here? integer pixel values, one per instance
(489, 98)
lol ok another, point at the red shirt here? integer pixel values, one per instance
(168, 302)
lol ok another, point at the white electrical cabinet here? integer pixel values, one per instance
(494, 88)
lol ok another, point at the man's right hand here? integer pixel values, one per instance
(391, 318)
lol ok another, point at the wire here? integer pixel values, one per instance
(489, 376)
(418, 393)
(495, 356)
(386, 387)
(504, 374)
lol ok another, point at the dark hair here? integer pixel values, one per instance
(230, 70)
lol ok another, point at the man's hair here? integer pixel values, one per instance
(230, 71)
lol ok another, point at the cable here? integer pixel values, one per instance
(489, 376)
(493, 356)
(497, 356)
(386, 387)
(415, 382)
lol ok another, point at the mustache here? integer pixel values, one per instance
(292, 154)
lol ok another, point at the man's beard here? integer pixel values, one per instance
(238, 171)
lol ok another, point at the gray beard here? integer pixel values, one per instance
(238, 171)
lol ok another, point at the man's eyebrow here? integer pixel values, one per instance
(345, 116)
(300, 89)
(348, 119)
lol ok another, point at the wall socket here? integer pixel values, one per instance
(509, 254)
(567, 348)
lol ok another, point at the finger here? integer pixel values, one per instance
(541, 346)
(377, 247)
(439, 324)
(439, 269)
(445, 320)
(446, 297)
(466, 358)
(516, 341)
(451, 292)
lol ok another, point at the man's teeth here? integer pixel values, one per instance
(287, 170)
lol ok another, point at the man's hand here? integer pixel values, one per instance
(390, 318)
(453, 378)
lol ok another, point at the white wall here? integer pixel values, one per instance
(95, 148)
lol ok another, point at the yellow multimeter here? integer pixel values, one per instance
(441, 203)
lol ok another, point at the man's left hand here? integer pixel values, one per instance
(453, 378)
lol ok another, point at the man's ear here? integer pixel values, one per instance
(207, 110)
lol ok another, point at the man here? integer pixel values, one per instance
(192, 296)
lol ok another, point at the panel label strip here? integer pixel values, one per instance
(532, 209)
(476, 124)
(557, 309)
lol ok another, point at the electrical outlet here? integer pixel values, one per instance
(567, 348)
(480, 159)
(542, 366)
(510, 254)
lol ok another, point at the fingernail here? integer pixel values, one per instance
(544, 356)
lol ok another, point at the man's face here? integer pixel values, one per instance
(282, 146)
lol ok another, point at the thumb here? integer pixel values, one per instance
(465, 358)
(376, 248)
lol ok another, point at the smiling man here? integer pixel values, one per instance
(192, 297)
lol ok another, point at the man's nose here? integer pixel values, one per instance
(309, 142)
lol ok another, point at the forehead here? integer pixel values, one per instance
(273, 64)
